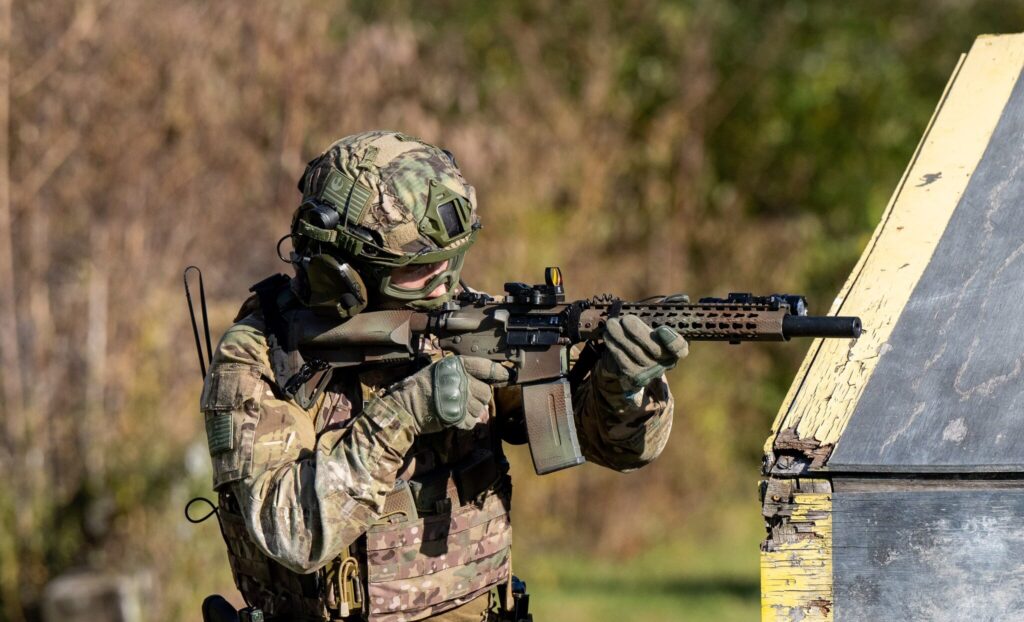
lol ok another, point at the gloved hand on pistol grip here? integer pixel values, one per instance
(455, 391)
(637, 353)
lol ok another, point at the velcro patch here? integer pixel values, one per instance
(220, 431)
(402, 235)
(346, 194)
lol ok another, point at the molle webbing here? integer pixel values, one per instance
(427, 566)
(451, 487)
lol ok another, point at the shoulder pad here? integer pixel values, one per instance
(244, 343)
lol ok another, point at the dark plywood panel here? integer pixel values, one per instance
(929, 556)
(948, 391)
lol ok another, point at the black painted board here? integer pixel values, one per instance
(929, 556)
(948, 390)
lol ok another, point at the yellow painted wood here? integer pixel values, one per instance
(796, 577)
(834, 373)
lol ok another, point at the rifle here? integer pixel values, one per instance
(533, 328)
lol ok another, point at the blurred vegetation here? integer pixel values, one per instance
(646, 147)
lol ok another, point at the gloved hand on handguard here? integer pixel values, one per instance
(638, 354)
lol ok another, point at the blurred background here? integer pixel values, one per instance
(645, 147)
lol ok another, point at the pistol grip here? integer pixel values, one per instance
(550, 428)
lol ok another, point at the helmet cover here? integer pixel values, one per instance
(398, 201)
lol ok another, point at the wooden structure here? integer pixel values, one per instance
(895, 468)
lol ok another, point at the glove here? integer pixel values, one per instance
(638, 354)
(452, 392)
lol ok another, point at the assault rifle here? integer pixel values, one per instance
(532, 328)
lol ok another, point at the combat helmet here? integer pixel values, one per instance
(373, 202)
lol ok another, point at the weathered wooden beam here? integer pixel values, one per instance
(796, 557)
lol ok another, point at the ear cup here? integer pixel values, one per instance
(335, 287)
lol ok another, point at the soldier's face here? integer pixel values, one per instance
(415, 276)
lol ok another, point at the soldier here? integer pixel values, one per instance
(353, 500)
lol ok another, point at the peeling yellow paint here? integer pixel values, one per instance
(834, 373)
(796, 575)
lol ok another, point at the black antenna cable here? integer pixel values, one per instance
(192, 316)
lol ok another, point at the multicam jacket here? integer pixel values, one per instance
(338, 507)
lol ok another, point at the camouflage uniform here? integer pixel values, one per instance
(343, 502)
